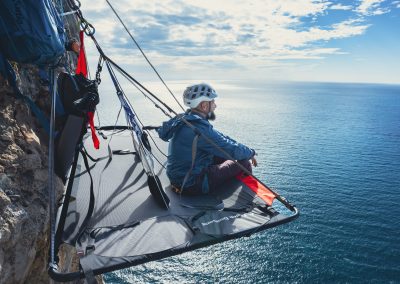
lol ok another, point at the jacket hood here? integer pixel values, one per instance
(168, 128)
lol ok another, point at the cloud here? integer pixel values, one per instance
(371, 8)
(340, 7)
(227, 35)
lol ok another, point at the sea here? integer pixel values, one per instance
(333, 150)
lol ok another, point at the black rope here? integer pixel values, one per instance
(162, 153)
(158, 161)
(152, 139)
(146, 96)
(122, 71)
(127, 100)
(133, 80)
(144, 55)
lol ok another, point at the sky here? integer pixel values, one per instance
(253, 40)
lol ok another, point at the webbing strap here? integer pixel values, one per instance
(91, 202)
(94, 233)
(194, 152)
(89, 275)
(81, 68)
(64, 210)
(113, 152)
(81, 65)
(128, 110)
(95, 140)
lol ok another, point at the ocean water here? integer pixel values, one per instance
(334, 151)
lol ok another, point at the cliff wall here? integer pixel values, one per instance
(24, 202)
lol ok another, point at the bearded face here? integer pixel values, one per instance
(211, 116)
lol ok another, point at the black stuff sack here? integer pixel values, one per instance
(78, 96)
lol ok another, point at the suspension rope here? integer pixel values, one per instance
(146, 96)
(144, 55)
(133, 80)
(152, 139)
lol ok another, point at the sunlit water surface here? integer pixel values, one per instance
(333, 150)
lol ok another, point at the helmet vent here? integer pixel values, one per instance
(195, 94)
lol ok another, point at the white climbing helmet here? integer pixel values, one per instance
(195, 94)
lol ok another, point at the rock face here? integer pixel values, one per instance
(24, 214)
(24, 202)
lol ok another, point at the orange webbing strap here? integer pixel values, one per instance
(81, 68)
(81, 65)
(96, 141)
(263, 192)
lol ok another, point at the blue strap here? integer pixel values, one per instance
(124, 103)
(9, 74)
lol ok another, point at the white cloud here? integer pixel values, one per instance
(340, 7)
(269, 25)
(380, 11)
(371, 7)
(282, 37)
(227, 36)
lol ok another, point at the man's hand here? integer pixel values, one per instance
(254, 161)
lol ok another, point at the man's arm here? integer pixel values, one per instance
(236, 150)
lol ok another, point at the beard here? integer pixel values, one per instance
(211, 116)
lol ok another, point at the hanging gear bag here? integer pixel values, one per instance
(79, 96)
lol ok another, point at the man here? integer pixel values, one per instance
(210, 167)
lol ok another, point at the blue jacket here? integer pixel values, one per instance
(181, 138)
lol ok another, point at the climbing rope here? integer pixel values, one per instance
(144, 55)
